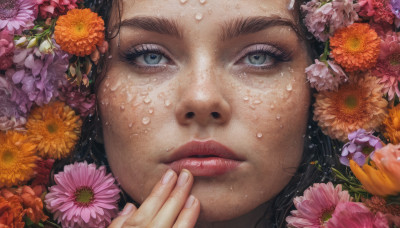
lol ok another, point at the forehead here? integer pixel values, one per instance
(205, 10)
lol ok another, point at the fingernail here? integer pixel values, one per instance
(189, 201)
(167, 176)
(183, 178)
(127, 209)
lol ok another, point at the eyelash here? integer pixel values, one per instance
(277, 55)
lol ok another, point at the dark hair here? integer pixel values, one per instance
(317, 147)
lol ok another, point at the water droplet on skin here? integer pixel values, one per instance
(183, 1)
(289, 87)
(147, 100)
(256, 102)
(107, 84)
(202, 1)
(144, 93)
(259, 135)
(278, 117)
(198, 16)
(130, 125)
(110, 56)
(246, 98)
(167, 103)
(115, 87)
(146, 120)
(281, 126)
(253, 107)
(272, 107)
(122, 107)
(107, 123)
(151, 110)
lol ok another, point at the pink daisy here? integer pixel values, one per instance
(317, 205)
(325, 75)
(388, 65)
(83, 196)
(356, 215)
(17, 15)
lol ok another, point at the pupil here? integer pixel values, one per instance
(257, 59)
(152, 58)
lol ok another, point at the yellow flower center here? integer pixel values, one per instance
(354, 44)
(84, 196)
(326, 215)
(52, 127)
(351, 101)
(80, 29)
(7, 157)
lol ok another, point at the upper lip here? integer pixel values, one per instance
(203, 148)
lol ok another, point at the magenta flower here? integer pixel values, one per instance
(17, 15)
(78, 98)
(6, 49)
(317, 205)
(395, 6)
(325, 76)
(83, 196)
(388, 65)
(356, 215)
(379, 10)
(55, 8)
(323, 19)
(361, 145)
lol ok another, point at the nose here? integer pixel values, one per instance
(201, 100)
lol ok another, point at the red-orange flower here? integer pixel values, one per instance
(356, 47)
(11, 212)
(79, 31)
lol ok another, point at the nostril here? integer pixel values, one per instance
(216, 115)
(189, 115)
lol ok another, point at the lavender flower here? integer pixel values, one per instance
(11, 117)
(323, 19)
(325, 76)
(38, 74)
(395, 7)
(17, 15)
(361, 145)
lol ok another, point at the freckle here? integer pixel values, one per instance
(198, 16)
(146, 120)
(259, 135)
(147, 100)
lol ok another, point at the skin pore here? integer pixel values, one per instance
(231, 71)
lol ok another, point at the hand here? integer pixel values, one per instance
(168, 205)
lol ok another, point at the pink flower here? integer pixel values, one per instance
(83, 196)
(379, 10)
(325, 76)
(6, 49)
(17, 15)
(55, 8)
(388, 65)
(356, 215)
(317, 205)
(323, 19)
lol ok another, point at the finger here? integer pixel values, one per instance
(128, 211)
(150, 207)
(189, 214)
(173, 206)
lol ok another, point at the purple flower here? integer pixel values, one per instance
(79, 98)
(6, 49)
(361, 145)
(395, 7)
(11, 117)
(39, 75)
(323, 19)
(325, 76)
(17, 15)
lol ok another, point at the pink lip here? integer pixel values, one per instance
(207, 158)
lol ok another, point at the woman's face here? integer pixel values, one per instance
(215, 86)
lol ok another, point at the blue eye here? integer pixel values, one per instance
(259, 59)
(146, 55)
(152, 58)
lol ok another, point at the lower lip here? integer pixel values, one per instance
(210, 166)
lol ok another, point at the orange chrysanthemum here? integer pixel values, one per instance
(357, 104)
(11, 212)
(79, 31)
(356, 47)
(55, 128)
(17, 158)
(392, 125)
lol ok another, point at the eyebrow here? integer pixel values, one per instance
(248, 25)
(154, 24)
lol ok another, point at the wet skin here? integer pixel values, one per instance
(190, 74)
